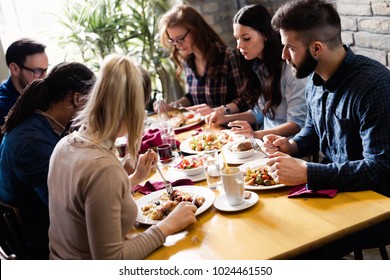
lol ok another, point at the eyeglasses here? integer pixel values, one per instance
(178, 41)
(37, 72)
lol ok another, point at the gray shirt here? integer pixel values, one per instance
(292, 108)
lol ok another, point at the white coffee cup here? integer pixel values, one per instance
(233, 184)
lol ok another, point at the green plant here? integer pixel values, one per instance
(96, 28)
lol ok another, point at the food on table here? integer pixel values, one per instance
(159, 209)
(179, 119)
(209, 141)
(186, 163)
(241, 146)
(258, 176)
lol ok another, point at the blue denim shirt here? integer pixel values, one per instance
(8, 97)
(349, 121)
(24, 162)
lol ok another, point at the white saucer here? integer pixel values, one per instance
(173, 175)
(221, 203)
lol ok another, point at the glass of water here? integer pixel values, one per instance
(212, 168)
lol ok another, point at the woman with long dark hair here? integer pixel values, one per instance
(277, 95)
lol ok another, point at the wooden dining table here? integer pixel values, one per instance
(276, 227)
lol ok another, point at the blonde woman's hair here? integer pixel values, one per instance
(117, 97)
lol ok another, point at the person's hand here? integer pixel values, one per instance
(145, 163)
(286, 169)
(274, 143)
(181, 217)
(241, 128)
(164, 106)
(202, 109)
(217, 117)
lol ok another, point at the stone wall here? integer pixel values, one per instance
(366, 27)
(365, 23)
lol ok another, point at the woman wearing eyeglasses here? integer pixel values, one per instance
(211, 68)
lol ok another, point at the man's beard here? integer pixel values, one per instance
(22, 82)
(306, 67)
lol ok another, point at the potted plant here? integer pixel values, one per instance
(94, 29)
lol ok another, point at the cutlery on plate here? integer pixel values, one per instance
(256, 146)
(179, 107)
(194, 200)
(167, 184)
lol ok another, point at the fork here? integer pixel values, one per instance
(167, 184)
(256, 146)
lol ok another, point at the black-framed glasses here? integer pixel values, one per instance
(37, 72)
(178, 41)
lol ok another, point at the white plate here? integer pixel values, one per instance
(154, 123)
(253, 164)
(173, 175)
(222, 204)
(185, 145)
(193, 190)
(189, 172)
(188, 126)
(227, 150)
(233, 160)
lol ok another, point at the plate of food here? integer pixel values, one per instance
(189, 165)
(173, 175)
(155, 206)
(238, 149)
(181, 121)
(256, 176)
(205, 141)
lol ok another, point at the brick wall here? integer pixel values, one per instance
(366, 27)
(365, 23)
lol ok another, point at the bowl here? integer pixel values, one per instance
(227, 149)
(183, 164)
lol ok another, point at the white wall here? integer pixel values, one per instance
(3, 66)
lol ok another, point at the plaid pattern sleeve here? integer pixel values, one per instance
(221, 83)
(351, 116)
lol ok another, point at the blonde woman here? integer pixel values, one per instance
(90, 201)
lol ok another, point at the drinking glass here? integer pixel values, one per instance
(168, 134)
(212, 168)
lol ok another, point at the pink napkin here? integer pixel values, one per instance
(301, 191)
(150, 187)
(152, 138)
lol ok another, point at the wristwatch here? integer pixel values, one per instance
(227, 110)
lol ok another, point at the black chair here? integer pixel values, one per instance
(11, 235)
(5, 256)
(380, 238)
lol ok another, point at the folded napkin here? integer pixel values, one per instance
(152, 138)
(150, 187)
(302, 191)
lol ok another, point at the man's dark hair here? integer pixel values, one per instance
(21, 48)
(313, 20)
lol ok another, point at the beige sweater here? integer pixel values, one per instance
(90, 204)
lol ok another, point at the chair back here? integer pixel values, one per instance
(11, 233)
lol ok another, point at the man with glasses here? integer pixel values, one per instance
(27, 61)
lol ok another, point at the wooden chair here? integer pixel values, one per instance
(11, 235)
